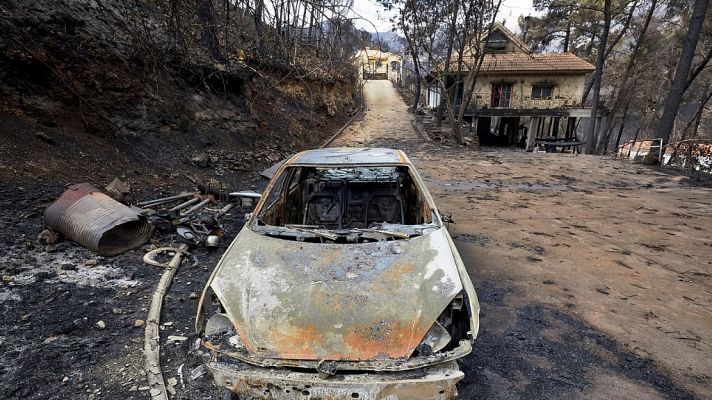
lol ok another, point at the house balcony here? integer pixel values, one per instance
(559, 106)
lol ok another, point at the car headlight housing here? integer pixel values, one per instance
(435, 340)
(446, 332)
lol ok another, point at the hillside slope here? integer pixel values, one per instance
(85, 96)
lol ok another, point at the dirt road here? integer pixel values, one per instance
(593, 273)
(385, 120)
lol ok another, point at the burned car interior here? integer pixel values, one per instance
(344, 200)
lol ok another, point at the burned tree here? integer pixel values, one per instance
(683, 75)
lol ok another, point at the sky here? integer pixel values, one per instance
(371, 11)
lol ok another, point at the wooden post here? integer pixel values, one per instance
(473, 129)
(531, 132)
(571, 127)
(555, 128)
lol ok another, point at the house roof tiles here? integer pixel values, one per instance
(530, 63)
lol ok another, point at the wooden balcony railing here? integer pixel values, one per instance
(526, 104)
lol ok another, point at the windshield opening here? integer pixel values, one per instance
(345, 204)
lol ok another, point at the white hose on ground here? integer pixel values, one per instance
(151, 343)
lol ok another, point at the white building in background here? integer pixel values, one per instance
(374, 64)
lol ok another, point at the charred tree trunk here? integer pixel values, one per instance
(600, 60)
(259, 7)
(471, 78)
(304, 22)
(414, 54)
(208, 31)
(684, 65)
(588, 51)
(445, 88)
(567, 37)
(620, 128)
(416, 95)
(695, 121)
(626, 76)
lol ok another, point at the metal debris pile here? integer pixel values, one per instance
(195, 216)
(110, 224)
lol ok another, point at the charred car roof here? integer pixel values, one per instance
(349, 156)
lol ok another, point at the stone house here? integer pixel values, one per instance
(373, 64)
(520, 97)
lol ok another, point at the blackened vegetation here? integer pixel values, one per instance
(126, 85)
(569, 358)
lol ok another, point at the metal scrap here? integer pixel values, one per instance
(187, 236)
(204, 202)
(164, 200)
(150, 257)
(184, 204)
(192, 220)
(94, 220)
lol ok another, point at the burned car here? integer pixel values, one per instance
(343, 283)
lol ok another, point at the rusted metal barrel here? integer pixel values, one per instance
(89, 217)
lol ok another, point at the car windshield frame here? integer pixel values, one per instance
(387, 229)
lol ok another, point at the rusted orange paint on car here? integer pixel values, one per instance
(392, 279)
(302, 339)
(396, 273)
(368, 341)
(308, 299)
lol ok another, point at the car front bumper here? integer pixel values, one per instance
(433, 382)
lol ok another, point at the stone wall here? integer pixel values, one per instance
(567, 90)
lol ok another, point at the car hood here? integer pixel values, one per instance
(316, 301)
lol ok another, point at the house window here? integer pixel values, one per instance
(542, 92)
(495, 47)
(496, 42)
(501, 93)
